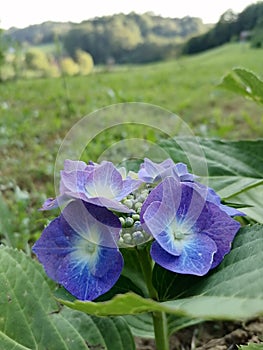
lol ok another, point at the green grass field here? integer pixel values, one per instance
(35, 115)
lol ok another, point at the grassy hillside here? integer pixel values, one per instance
(35, 115)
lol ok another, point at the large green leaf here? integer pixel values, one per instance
(141, 325)
(245, 83)
(110, 333)
(232, 291)
(233, 169)
(251, 346)
(30, 318)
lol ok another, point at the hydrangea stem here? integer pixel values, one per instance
(159, 318)
(160, 330)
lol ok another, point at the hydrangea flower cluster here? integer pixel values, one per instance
(105, 209)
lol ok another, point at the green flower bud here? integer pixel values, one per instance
(136, 217)
(127, 238)
(129, 222)
(128, 203)
(122, 220)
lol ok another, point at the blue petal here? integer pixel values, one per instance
(159, 224)
(87, 280)
(78, 250)
(211, 196)
(196, 257)
(93, 223)
(168, 192)
(220, 227)
(152, 172)
(182, 172)
(53, 246)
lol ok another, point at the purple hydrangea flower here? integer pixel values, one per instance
(99, 184)
(152, 172)
(192, 234)
(211, 196)
(79, 250)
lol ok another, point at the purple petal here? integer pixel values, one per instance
(152, 172)
(73, 181)
(196, 257)
(74, 165)
(182, 171)
(221, 228)
(211, 196)
(177, 200)
(99, 184)
(104, 181)
(111, 204)
(96, 224)
(50, 203)
(128, 185)
(168, 192)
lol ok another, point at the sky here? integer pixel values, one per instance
(22, 13)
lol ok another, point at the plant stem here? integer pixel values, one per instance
(159, 318)
(160, 330)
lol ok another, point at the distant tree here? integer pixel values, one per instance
(68, 66)
(257, 35)
(36, 59)
(228, 28)
(251, 17)
(124, 38)
(85, 62)
(2, 51)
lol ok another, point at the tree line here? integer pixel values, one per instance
(120, 38)
(231, 27)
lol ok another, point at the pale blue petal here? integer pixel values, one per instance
(195, 259)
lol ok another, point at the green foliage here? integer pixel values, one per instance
(245, 83)
(68, 66)
(228, 28)
(85, 62)
(141, 325)
(37, 60)
(119, 38)
(251, 347)
(31, 319)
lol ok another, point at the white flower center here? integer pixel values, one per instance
(180, 230)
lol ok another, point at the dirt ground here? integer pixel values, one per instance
(212, 336)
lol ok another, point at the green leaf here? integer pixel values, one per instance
(251, 346)
(245, 83)
(10, 344)
(30, 318)
(110, 333)
(141, 325)
(232, 291)
(233, 169)
(132, 269)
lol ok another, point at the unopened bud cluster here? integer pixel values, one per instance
(132, 232)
